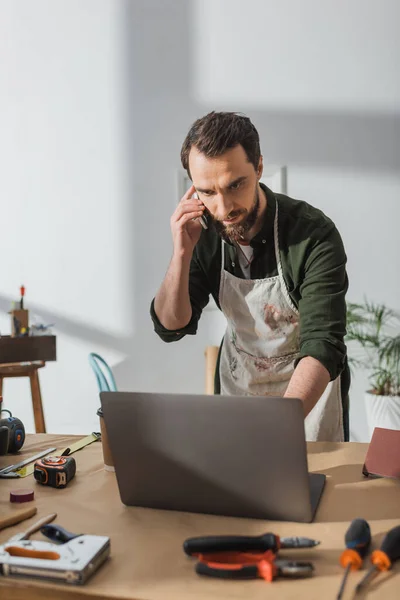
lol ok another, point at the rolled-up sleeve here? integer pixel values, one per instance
(322, 304)
(199, 296)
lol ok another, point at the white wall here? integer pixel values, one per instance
(298, 56)
(63, 192)
(95, 99)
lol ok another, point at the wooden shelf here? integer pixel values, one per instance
(27, 349)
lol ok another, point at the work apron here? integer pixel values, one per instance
(262, 342)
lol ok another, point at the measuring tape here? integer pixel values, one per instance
(89, 439)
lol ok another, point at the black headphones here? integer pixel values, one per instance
(12, 434)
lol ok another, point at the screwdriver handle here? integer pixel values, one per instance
(358, 537)
(225, 543)
(391, 545)
(389, 551)
(383, 558)
(357, 540)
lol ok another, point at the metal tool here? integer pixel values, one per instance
(89, 439)
(55, 471)
(33, 528)
(244, 557)
(56, 533)
(20, 470)
(242, 543)
(73, 562)
(357, 540)
(298, 542)
(10, 470)
(247, 565)
(384, 558)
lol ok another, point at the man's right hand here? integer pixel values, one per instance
(172, 302)
(185, 225)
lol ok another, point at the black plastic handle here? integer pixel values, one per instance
(56, 533)
(226, 543)
(391, 544)
(245, 572)
(358, 536)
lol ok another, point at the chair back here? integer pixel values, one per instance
(103, 373)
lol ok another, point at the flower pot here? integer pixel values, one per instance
(382, 411)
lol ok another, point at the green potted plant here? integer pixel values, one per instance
(373, 340)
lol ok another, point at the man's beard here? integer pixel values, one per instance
(237, 232)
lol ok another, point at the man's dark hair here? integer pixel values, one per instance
(218, 132)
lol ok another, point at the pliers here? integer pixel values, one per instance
(247, 557)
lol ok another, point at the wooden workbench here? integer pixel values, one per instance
(147, 561)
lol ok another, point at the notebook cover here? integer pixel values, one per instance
(383, 455)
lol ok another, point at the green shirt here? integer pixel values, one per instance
(314, 269)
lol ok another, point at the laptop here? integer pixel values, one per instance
(224, 455)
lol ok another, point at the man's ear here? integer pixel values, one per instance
(260, 168)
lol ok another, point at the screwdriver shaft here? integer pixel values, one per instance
(345, 576)
(366, 578)
(298, 542)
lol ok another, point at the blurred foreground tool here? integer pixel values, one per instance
(357, 540)
(245, 565)
(243, 543)
(384, 558)
(248, 557)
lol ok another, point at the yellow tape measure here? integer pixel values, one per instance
(93, 437)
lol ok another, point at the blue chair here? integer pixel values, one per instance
(103, 373)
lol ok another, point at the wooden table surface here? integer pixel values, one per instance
(147, 561)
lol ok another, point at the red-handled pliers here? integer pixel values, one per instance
(247, 565)
(247, 557)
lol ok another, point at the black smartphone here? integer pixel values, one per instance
(204, 217)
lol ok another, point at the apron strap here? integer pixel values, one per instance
(278, 261)
(222, 257)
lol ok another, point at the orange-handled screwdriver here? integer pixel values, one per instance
(383, 559)
(357, 540)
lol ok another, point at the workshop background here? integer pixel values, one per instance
(96, 97)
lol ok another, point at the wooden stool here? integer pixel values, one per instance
(27, 370)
